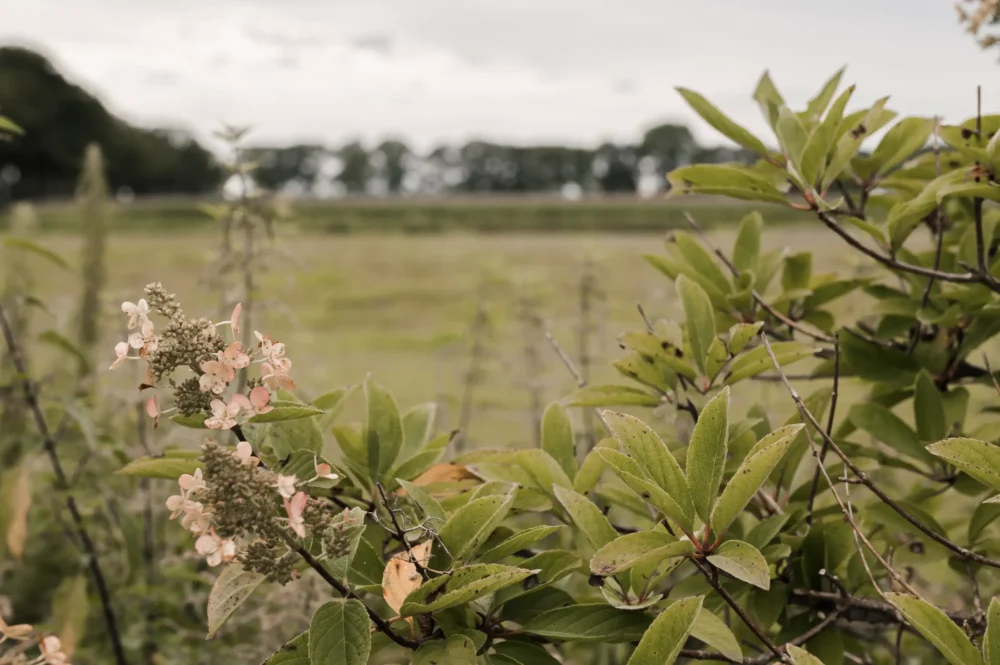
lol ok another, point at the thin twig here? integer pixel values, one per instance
(758, 298)
(580, 381)
(62, 484)
(875, 489)
(710, 574)
(829, 429)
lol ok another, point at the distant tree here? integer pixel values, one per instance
(60, 119)
(975, 15)
(278, 167)
(615, 168)
(393, 155)
(672, 146)
(356, 170)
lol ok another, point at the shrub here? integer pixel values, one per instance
(857, 529)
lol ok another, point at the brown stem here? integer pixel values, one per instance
(829, 429)
(62, 484)
(867, 482)
(710, 574)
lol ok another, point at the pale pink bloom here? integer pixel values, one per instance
(274, 352)
(176, 504)
(294, 507)
(195, 519)
(243, 401)
(121, 353)
(18, 631)
(191, 482)
(234, 357)
(216, 377)
(234, 320)
(286, 486)
(275, 377)
(216, 550)
(260, 398)
(146, 341)
(244, 452)
(223, 415)
(138, 313)
(324, 470)
(51, 648)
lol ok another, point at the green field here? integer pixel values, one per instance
(400, 307)
(485, 214)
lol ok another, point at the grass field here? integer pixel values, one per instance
(401, 306)
(485, 214)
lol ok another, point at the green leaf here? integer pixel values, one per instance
(287, 436)
(741, 334)
(294, 652)
(756, 360)
(743, 561)
(887, 427)
(170, 466)
(714, 632)
(746, 248)
(281, 413)
(928, 409)
(721, 123)
(233, 586)
(70, 607)
(724, 180)
(588, 623)
(332, 400)
(792, 136)
(875, 363)
(664, 640)
(625, 552)
(557, 437)
(461, 586)
(423, 460)
(472, 524)
(701, 261)
(850, 141)
(7, 125)
(194, 421)
(706, 454)
(817, 105)
(15, 242)
(700, 319)
(59, 341)
(797, 271)
(384, 431)
(428, 504)
(611, 396)
(768, 98)
(904, 139)
(587, 517)
(456, 650)
(752, 473)
(821, 141)
(592, 468)
(639, 481)
(340, 634)
(518, 541)
(979, 459)
(991, 640)
(802, 657)
(937, 629)
(525, 653)
(418, 426)
(641, 443)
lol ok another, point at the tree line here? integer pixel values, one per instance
(60, 119)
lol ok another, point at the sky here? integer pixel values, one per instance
(571, 72)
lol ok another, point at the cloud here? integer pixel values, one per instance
(573, 71)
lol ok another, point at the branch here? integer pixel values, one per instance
(580, 381)
(710, 574)
(888, 261)
(829, 429)
(49, 445)
(758, 298)
(867, 482)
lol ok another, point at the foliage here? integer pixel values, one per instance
(708, 526)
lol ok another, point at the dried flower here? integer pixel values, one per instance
(51, 648)
(138, 313)
(286, 486)
(18, 631)
(260, 398)
(294, 507)
(216, 550)
(234, 320)
(121, 353)
(244, 453)
(223, 415)
(275, 377)
(324, 470)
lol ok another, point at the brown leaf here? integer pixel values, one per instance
(444, 473)
(401, 577)
(18, 496)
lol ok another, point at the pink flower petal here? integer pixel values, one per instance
(259, 397)
(234, 320)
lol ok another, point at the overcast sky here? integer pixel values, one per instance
(568, 71)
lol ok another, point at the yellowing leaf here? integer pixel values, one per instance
(937, 629)
(444, 473)
(742, 561)
(17, 497)
(401, 577)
